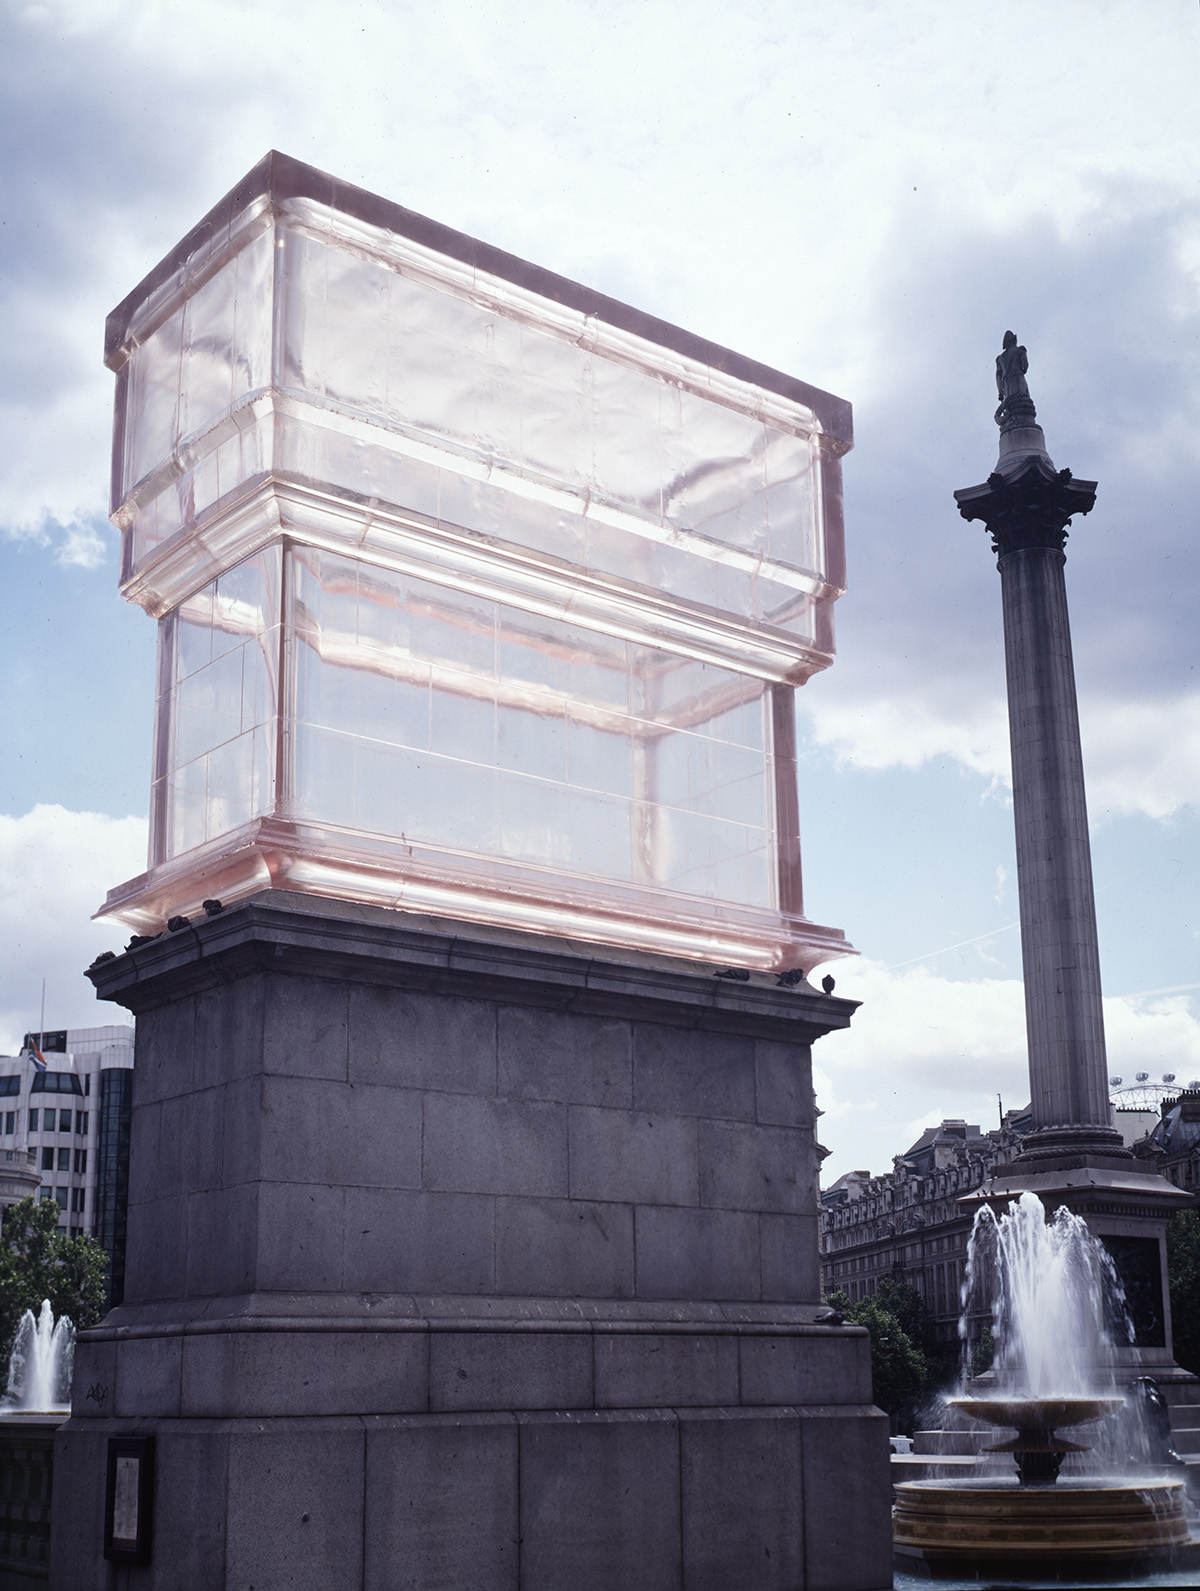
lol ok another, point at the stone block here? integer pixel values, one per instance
(94, 1379)
(579, 1060)
(189, 1152)
(567, 1248)
(412, 1040)
(664, 1370)
(306, 1027)
(295, 1501)
(151, 1173)
(847, 1455)
(189, 1535)
(783, 1083)
(791, 1266)
(824, 1365)
(300, 1228)
(222, 1241)
(302, 1373)
(483, 1370)
(77, 1537)
(743, 1503)
(405, 1241)
(691, 1072)
(148, 1377)
(623, 1157)
(747, 1167)
(441, 1504)
(156, 1252)
(314, 1130)
(240, 1134)
(494, 1146)
(208, 1375)
(701, 1254)
(164, 1053)
(600, 1502)
(227, 1033)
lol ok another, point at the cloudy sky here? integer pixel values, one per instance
(865, 195)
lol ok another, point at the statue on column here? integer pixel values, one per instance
(1016, 406)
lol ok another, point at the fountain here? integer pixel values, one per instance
(39, 1367)
(1054, 1303)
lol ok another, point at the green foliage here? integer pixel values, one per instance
(38, 1261)
(904, 1301)
(1183, 1277)
(900, 1372)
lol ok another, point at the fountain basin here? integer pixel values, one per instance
(1077, 1530)
(1037, 1414)
(1036, 1448)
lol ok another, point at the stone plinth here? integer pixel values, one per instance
(473, 1260)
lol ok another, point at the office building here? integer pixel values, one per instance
(64, 1132)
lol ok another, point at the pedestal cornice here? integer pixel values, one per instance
(287, 932)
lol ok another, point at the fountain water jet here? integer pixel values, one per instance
(1053, 1295)
(39, 1367)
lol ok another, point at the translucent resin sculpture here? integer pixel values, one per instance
(479, 594)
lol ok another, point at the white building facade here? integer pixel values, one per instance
(70, 1126)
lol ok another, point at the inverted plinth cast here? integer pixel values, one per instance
(1026, 506)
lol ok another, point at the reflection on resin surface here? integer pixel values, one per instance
(428, 715)
(466, 411)
(217, 711)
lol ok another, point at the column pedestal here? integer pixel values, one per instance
(467, 1260)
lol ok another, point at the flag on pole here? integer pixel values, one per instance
(35, 1055)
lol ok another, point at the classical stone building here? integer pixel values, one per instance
(1173, 1143)
(909, 1223)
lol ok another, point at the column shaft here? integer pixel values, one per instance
(1063, 1012)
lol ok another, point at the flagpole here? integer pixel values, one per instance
(42, 1029)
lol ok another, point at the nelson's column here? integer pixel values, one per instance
(1074, 1155)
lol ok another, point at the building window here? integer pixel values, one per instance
(56, 1083)
(10, 1121)
(47, 1159)
(61, 1195)
(33, 1118)
(81, 1162)
(46, 1193)
(81, 1122)
(64, 1121)
(64, 1160)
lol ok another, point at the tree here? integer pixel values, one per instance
(942, 1363)
(38, 1261)
(1183, 1279)
(899, 1370)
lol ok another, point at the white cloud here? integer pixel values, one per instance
(55, 868)
(905, 729)
(924, 1047)
(1141, 755)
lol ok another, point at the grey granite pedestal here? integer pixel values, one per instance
(467, 1260)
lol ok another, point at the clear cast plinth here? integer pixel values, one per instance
(479, 594)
